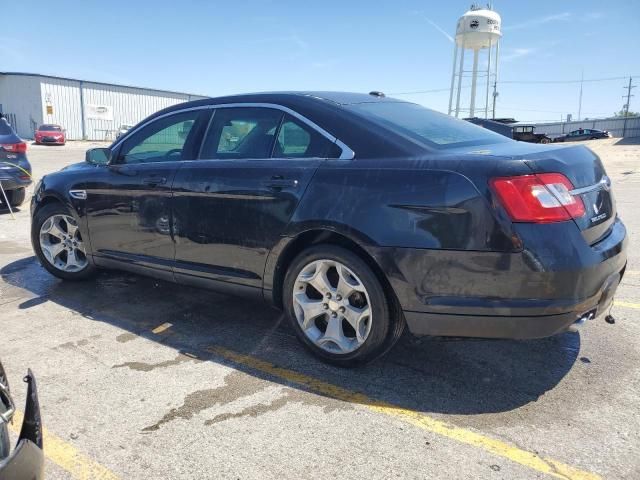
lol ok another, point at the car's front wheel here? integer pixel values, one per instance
(337, 306)
(59, 244)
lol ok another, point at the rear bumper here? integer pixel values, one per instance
(13, 182)
(507, 295)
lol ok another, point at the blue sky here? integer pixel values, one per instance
(217, 48)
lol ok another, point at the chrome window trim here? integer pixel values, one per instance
(604, 183)
(347, 153)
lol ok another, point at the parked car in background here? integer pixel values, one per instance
(583, 134)
(124, 128)
(527, 133)
(26, 461)
(356, 214)
(15, 170)
(508, 128)
(50, 134)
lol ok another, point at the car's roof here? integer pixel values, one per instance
(339, 98)
(49, 125)
(290, 99)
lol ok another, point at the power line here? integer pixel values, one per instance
(520, 82)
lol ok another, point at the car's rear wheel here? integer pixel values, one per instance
(16, 197)
(337, 306)
(5, 446)
(59, 244)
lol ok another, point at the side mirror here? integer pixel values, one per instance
(98, 156)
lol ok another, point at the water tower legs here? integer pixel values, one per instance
(474, 78)
(459, 80)
(453, 76)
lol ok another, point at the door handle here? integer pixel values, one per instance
(278, 183)
(154, 180)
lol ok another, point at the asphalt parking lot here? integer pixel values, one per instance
(143, 379)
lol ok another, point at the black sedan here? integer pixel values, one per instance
(15, 170)
(583, 134)
(356, 214)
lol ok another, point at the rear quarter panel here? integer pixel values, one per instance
(414, 203)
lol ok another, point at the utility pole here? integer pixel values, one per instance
(580, 101)
(625, 108)
(628, 97)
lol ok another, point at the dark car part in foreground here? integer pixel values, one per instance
(354, 213)
(15, 170)
(26, 462)
(583, 134)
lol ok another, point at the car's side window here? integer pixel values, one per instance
(161, 141)
(298, 140)
(241, 132)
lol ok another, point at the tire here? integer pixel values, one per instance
(378, 332)
(545, 141)
(75, 267)
(5, 445)
(16, 197)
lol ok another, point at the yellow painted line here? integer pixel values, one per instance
(67, 456)
(162, 328)
(626, 304)
(499, 448)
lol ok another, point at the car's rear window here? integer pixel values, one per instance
(50, 128)
(428, 127)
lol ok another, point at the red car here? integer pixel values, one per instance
(50, 134)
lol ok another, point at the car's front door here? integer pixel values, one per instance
(129, 201)
(233, 204)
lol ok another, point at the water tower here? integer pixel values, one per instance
(479, 31)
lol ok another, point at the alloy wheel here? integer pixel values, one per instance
(332, 306)
(61, 243)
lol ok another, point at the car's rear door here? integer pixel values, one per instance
(232, 204)
(129, 201)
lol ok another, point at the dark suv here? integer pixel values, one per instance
(354, 213)
(15, 170)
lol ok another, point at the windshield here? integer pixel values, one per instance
(427, 127)
(50, 128)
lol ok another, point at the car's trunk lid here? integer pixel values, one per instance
(591, 184)
(580, 165)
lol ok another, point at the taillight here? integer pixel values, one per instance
(541, 198)
(14, 147)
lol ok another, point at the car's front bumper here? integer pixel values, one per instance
(26, 461)
(507, 295)
(50, 141)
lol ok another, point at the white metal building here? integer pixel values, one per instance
(87, 110)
